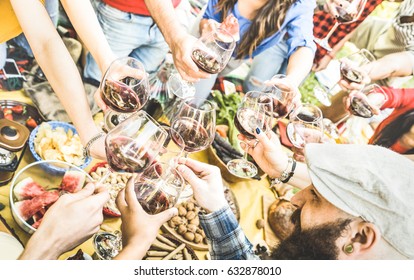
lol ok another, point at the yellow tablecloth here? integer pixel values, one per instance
(248, 194)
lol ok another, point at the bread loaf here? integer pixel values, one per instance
(279, 218)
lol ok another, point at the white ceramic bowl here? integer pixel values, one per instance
(46, 179)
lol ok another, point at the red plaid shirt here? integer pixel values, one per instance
(323, 22)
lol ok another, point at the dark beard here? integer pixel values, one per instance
(317, 243)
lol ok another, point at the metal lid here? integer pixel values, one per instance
(13, 136)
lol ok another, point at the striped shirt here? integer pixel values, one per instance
(404, 29)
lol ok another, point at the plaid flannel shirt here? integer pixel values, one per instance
(323, 22)
(225, 236)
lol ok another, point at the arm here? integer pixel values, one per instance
(299, 65)
(177, 38)
(84, 20)
(273, 160)
(82, 212)
(301, 48)
(58, 66)
(393, 65)
(223, 232)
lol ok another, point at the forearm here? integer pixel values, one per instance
(40, 248)
(163, 13)
(57, 64)
(392, 65)
(83, 18)
(134, 251)
(299, 65)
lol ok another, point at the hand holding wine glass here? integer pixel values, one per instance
(285, 96)
(367, 102)
(124, 89)
(195, 122)
(346, 12)
(213, 50)
(134, 144)
(305, 126)
(255, 113)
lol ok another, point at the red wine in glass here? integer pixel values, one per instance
(206, 62)
(152, 199)
(343, 15)
(120, 97)
(246, 122)
(361, 108)
(124, 155)
(280, 110)
(351, 75)
(195, 136)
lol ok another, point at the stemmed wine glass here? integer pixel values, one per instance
(213, 50)
(158, 187)
(350, 68)
(195, 122)
(134, 144)
(282, 95)
(366, 102)
(305, 126)
(255, 110)
(346, 15)
(178, 89)
(124, 89)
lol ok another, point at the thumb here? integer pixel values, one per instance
(188, 175)
(166, 215)
(86, 191)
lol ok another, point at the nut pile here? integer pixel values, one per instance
(114, 183)
(164, 249)
(187, 223)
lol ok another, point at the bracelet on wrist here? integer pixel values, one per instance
(287, 174)
(86, 149)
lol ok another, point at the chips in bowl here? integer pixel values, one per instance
(57, 141)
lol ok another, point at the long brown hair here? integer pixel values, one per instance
(268, 21)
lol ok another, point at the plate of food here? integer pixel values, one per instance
(186, 225)
(113, 183)
(168, 247)
(21, 112)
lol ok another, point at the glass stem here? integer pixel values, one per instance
(104, 177)
(332, 31)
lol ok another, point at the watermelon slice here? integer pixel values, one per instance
(27, 188)
(72, 181)
(29, 207)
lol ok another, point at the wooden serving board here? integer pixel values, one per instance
(234, 206)
(200, 246)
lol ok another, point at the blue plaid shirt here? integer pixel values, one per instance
(225, 236)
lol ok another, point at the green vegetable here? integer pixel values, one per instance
(226, 111)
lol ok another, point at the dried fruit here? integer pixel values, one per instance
(182, 229)
(190, 206)
(190, 215)
(191, 228)
(182, 211)
(198, 238)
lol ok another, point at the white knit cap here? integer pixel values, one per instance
(370, 182)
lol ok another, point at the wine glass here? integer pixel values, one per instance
(158, 187)
(213, 50)
(282, 94)
(350, 68)
(178, 89)
(134, 144)
(346, 15)
(171, 151)
(255, 110)
(305, 126)
(195, 121)
(124, 89)
(370, 98)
